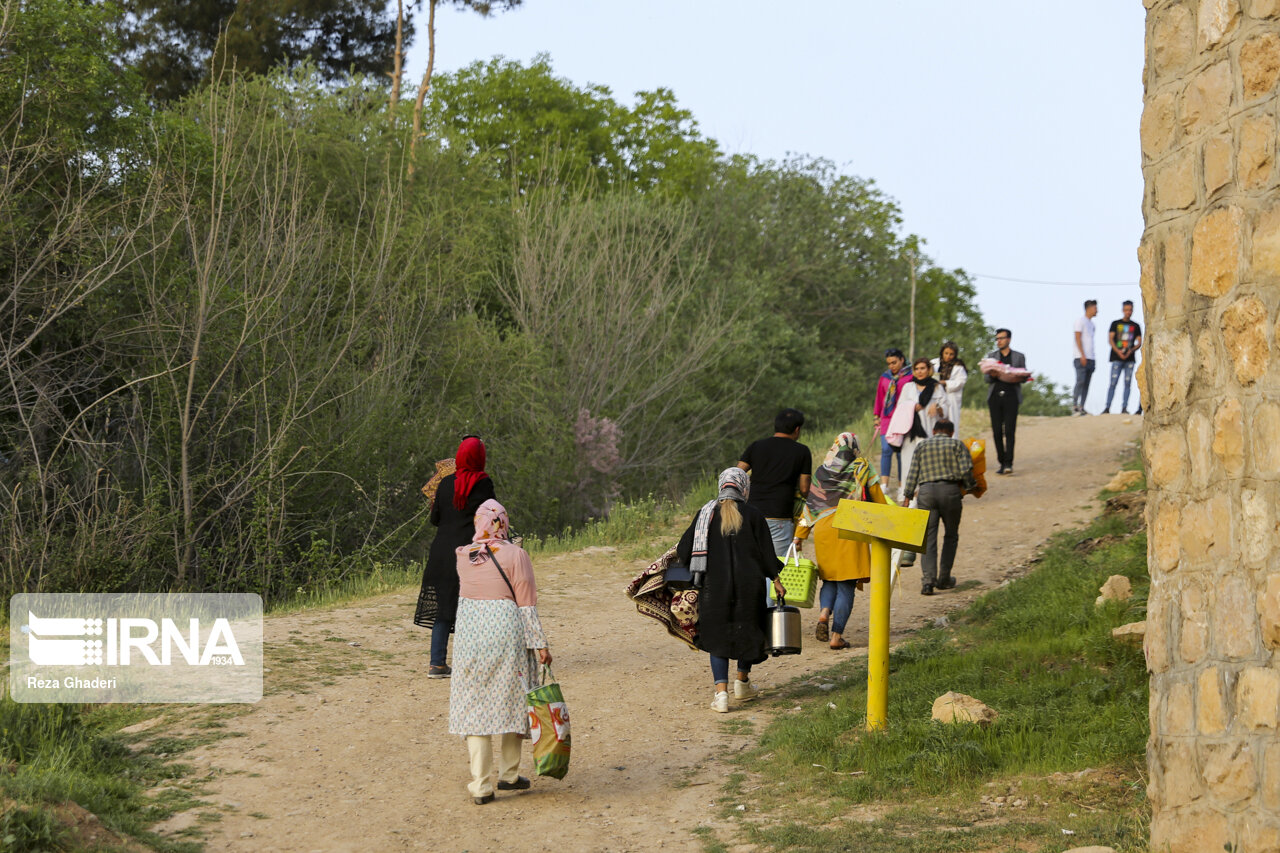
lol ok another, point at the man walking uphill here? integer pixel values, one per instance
(780, 466)
(941, 469)
(1003, 399)
(1125, 339)
(1084, 361)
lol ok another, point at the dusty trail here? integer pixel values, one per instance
(349, 751)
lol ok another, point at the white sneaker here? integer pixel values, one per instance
(744, 690)
(720, 704)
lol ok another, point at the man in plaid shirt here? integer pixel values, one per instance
(942, 470)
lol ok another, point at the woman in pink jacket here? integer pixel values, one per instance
(891, 382)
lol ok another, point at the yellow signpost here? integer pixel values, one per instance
(885, 527)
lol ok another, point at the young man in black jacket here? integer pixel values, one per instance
(1003, 399)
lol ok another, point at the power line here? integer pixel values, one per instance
(1057, 283)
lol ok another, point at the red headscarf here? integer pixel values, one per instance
(470, 470)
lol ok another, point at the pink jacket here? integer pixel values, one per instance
(882, 417)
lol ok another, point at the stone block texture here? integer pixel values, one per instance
(1210, 258)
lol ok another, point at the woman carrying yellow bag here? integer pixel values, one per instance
(843, 564)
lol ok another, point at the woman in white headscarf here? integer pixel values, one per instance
(730, 545)
(952, 373)
(498, 645)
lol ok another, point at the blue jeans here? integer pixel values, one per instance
(887, 452)
(782, 531)
(440, 641)
(720, 669)
(837, 596)
(1083, 375)
(1118, 367)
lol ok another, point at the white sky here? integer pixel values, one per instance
(1007, 130)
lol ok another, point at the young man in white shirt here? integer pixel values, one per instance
(1084, 361)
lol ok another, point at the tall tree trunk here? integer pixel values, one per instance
(186, 422)
(426, 81)
(397, 71)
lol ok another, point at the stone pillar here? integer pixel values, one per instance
(1210, 257)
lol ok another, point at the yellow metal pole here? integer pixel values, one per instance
(878, 641)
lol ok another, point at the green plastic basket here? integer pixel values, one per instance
(800, 577)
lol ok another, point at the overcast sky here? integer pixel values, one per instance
(1006, 130)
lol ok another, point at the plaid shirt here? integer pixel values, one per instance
(940, 458)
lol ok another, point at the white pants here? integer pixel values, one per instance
(481, 749)
(908, 452)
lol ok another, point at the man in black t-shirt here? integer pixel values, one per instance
(1125, 338)
(780, 466)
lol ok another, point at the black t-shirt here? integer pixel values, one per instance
(1125, 331)
(776, 465)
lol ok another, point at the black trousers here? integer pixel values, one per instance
(943, 500)
(1003, 406)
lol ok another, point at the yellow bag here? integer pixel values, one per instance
(978, 451)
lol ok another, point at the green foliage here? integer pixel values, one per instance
(62, 753)
(29, 828)
(1043, 397)
(524, 125)
(62, 97)
(176, 46)
(274, 329)
(825, 251)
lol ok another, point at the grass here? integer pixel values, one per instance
(1037, 650)
(66, 753)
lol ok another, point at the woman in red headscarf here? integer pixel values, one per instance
(453, 511)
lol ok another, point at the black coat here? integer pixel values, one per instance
(733, 615)
(439, 596)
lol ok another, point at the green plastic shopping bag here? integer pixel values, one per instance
(549, 727)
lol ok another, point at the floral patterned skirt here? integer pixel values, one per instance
(494, 667)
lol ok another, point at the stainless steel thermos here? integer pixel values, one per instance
(784, 629)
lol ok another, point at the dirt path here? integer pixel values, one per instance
(350, 750)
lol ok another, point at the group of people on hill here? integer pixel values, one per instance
(478, 584)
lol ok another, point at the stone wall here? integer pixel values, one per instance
(1210, 258)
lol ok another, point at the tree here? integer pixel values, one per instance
(178, 46)
(507, 117)
(484, 8)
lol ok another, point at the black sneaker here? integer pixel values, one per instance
(1107, 411)
(521, 784)
(1003, 470)
(949, 583)
(480, 801)
(439, 671)
(927, 589)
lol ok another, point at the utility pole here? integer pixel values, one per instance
(911, 346)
